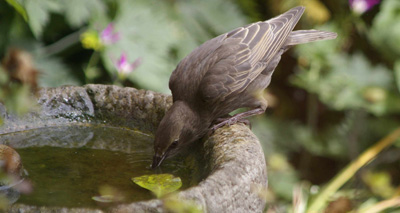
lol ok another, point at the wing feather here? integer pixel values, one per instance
(244, 54)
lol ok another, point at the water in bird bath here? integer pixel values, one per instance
(69, 165)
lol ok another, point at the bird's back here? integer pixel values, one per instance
(223, 68)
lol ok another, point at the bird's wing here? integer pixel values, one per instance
(185, 79)
(245, 53)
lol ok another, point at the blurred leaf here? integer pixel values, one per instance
(385, 31)
(316, 11)
(370, 202)
(163, 33)
(281, 180)
(3, 76)
(200, 21)
(18, 7)
(282, 183)
(39, 13)
(103, 198)
(288, 136)
(250, 8)
(374, 94)
(204, 20)
(54, 73)
(145, 32)
(379, 183)
(174, 204)
(79, 12)
(108, 194)
(349, 84)
(379, 126)
(159, 184)
(278, 162)
(18, 98)
(264, 129)
(397, 74)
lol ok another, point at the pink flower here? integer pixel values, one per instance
(362, 6)
(124, 67)
(108, 36)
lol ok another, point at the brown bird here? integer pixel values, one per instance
(224, 74)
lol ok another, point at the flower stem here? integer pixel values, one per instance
(351, 169)
(94, 59)
(383, 205)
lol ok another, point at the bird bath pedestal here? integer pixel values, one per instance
(235, 167)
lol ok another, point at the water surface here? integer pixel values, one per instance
(68, 165)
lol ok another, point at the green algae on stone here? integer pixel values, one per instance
(159, 184)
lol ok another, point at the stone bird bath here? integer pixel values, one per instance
(234, 161)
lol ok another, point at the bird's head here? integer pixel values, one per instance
(176, 130)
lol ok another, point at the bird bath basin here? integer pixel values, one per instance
(70, 164)
(98, 134)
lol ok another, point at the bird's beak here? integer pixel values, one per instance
(157, 160)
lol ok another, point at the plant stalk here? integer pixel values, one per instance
(348, 172)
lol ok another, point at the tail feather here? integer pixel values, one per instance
(306, 36)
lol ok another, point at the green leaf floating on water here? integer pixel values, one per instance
(159, 184)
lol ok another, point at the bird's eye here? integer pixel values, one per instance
(174, 144)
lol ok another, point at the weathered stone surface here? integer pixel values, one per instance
(234, 159)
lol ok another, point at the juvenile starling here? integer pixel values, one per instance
(224, 74)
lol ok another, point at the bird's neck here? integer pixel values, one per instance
(192, 117)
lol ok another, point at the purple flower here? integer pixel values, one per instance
(108, 36)
(362, 6)
(124, 67)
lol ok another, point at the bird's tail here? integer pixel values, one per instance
(306, 36)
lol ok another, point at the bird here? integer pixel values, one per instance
(223, 74)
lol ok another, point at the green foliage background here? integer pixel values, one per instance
(331, 100)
